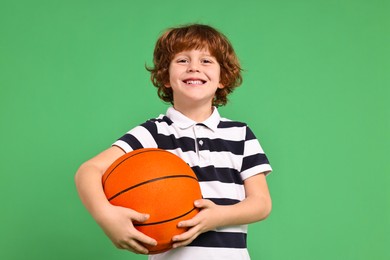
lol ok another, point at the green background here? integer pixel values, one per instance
(315, 92)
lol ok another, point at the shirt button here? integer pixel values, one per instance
(201, 142)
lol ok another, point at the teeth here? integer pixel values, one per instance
(194, 82)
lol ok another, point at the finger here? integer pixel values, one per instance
(183, 243)
(139, 217)
(135, 247)
(186, 235)
(187, 223)
(144, 239)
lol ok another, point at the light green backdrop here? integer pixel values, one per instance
(316, 93)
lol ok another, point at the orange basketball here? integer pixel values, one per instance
(158, 183)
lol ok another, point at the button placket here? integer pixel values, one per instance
(200, 142)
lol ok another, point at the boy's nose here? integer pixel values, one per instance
(193, 67)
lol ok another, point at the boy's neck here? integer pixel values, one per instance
(198, 114)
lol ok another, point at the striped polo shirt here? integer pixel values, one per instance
(222, 153)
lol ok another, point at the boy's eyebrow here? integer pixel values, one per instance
(202, 53)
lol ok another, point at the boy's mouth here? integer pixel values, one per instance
(194, 81)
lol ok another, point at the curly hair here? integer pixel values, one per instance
(195, 36)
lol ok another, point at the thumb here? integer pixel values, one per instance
(202, 203)
(139, 217)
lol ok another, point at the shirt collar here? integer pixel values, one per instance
(184, 122)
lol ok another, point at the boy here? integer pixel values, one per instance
(195, 68)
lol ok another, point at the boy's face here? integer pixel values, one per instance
(194, 76)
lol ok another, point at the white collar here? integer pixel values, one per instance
(184, 122)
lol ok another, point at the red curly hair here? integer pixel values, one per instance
(195, 36)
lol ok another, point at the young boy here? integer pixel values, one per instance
(195, 68)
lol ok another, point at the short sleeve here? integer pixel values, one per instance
(254, 159)
(142, 136)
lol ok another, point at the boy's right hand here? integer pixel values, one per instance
(117, 223)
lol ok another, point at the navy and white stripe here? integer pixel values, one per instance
(222, 153)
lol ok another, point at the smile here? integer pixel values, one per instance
(194, 82)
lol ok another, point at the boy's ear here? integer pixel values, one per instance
(167, 85)
(221, 86)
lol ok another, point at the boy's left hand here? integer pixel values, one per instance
(207, 219)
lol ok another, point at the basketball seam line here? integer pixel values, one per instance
(149, 181)
(138, 152)
(164, 221)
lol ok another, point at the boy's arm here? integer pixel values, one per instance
(255, 207)
(115, 221)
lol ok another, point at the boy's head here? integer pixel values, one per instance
(195, 36)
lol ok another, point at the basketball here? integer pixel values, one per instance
(156, 182)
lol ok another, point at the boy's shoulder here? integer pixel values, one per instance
(161, 118)
(226, 123)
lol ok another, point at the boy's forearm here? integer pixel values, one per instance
(247, 211)
(255, 207)
(89, 187)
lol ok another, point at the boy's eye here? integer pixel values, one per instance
(182, 60)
